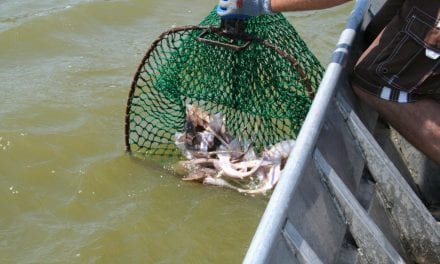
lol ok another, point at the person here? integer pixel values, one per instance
(398, 75)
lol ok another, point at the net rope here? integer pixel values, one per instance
(264, 90)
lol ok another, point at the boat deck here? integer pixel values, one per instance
(348, 192)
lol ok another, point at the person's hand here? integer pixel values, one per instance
(242, 9)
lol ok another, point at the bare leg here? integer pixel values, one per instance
(418, 122)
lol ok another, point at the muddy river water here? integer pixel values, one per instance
(69, 192)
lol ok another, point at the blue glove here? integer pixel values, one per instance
(242, 9)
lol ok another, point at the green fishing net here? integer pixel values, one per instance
(262, 80)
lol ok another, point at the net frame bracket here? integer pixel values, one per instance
(233, 29)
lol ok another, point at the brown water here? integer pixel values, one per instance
(69, 192)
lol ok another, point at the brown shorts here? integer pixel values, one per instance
(403, 62)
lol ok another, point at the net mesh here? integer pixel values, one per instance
(263, 90)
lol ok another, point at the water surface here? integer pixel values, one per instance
(70, 193)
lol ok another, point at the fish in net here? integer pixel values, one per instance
(258, 73)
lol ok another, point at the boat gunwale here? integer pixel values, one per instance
(275, 213)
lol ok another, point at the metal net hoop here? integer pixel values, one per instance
(264, 88)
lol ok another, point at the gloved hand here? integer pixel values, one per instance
(242, 9)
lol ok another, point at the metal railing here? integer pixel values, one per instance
(274, 216)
